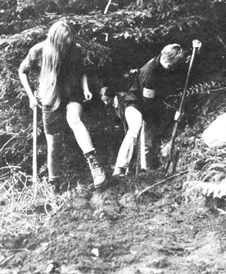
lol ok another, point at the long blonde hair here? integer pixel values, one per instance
(57, 63)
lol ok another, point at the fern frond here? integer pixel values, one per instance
(199, 88)
(217, 190)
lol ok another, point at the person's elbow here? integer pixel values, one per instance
(22, 74)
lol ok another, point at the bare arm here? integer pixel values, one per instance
(88, 95)
(25, 82)
(32, 61)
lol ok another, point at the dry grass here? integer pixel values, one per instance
(22, 211)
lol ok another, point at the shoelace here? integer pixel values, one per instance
(93, 162)
(96, 169)
(98, 172)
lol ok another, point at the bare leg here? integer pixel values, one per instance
(82, 136)
(74, 113)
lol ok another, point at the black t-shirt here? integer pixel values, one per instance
(153, 76)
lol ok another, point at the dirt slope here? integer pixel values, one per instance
(165, 231)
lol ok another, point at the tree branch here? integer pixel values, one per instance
(161, 182)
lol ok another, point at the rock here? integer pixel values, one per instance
(215, 135)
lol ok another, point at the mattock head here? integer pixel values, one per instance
(196, 44)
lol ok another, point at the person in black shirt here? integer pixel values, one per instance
(144, 103)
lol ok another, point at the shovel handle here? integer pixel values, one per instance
(34, 161)
(196, 47)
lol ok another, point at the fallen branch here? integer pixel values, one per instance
(161, 182)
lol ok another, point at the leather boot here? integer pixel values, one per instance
(98, 173)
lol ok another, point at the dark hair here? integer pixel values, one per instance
(107, 92)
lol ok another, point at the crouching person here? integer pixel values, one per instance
(62, 88)
(144, 104)
(116, 100)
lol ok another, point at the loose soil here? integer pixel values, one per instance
(167, 230)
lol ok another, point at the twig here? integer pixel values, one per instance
(15, 136)
(9, 167)
(139, 2)
(6, 260)
(221, 41)
(107, 7)
(161, 182)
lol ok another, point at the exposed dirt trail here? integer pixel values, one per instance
(111, 233)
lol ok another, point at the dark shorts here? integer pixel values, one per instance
(54, 121)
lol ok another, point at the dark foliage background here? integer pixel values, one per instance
(124, 38)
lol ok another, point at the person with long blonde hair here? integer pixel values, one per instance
(63, 86)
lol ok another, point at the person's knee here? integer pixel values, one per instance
(73, 114)
(73, 119)
(133, 132)
(134, 120)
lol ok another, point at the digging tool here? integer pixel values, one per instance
(34, 160)
(196, 46)
(141, 163)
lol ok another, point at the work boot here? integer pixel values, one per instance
(99, 176)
